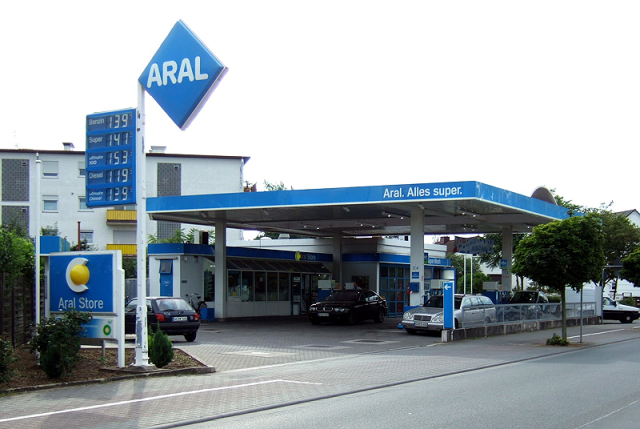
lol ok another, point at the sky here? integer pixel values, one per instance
(321, 94)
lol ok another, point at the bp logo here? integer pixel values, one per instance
(78, 275)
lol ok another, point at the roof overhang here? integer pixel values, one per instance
(448, 208)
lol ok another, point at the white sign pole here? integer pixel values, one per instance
(142, 346)
(38, 202)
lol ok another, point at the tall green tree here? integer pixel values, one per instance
(621, 236)
(563, 253)
(631, 268)
(493, 258)
(17, 253)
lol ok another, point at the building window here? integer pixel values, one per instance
(83, 203)
(81, 169)
(86, 236)
(50, 203)
(49, 168)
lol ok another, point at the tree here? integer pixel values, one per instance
(84, 246)
(457, 261)
(621, 236)
(621, 239)
(493, 259)
(631, 268)
(17, 254)
(563, 253)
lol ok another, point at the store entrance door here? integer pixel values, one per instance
(394, 280)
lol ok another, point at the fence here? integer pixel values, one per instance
(511, 313)
(17, 310)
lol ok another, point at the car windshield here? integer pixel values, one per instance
(173, 304)
(436, 301)
(343, 295)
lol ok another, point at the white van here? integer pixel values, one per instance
(612, 310)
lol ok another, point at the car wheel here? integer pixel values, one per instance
(411, 331)
(487, 320)
(352, 318)
(457, 324)
(380, 317)
(191, 336)
(626, 318)
(314, 321)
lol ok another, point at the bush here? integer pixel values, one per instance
(57, 341)
(557, 340)
(6, 359)
(160, 348)
(629, 301)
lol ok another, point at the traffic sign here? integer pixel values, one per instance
(181, 75)
(110, 158)
(448, 304)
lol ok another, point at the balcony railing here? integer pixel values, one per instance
(121, 216)
(126, 249)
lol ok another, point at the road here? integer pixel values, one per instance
(588, 388)
(281, 373)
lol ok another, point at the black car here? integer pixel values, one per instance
(349, 306)
(175, 315)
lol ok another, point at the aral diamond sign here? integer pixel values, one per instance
(182, 75)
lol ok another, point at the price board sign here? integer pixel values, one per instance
(111, 158)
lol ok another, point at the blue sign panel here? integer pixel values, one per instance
(110, 158)
(181, 75)
(82, 281)
(448, 304)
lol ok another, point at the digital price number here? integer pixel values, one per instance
(111, 158)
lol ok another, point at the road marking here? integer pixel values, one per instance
(606, 415)
(152, 398)
(598, 333)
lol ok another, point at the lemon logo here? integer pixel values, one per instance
(298, 256)
(78, 275)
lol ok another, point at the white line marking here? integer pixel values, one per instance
(598, 333)
(607, 415)
(153, 398)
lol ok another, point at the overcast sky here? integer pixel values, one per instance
(345, 93)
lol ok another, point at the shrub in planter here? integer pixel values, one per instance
(557, 340)
(160, 348)
(57, 341)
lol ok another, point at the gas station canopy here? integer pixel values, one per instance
(448, 208)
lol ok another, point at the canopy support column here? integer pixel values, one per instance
(507, 256)
(417, 255)
(221, 270)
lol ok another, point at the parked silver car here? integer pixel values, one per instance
(469, 310)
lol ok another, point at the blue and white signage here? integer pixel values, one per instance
(448, 304)
(181, 75)
(110, 158)
(83, 281)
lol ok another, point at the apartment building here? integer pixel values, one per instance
(63, 200)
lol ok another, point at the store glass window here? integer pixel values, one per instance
(272, 286)
(233, 283)
(261, 285)
(283, 287)
(247, 286)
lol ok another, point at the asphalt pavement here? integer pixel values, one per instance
(267, 362)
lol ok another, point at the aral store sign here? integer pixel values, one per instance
(181, 75)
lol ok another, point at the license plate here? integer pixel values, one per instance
(323, 314)
(180, 319)
(421, 324)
